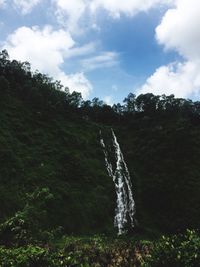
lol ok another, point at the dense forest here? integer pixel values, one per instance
(52, 167)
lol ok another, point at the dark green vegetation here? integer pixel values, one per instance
(53, 178)
(175, 251)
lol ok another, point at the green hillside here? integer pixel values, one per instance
(49, 138)
(61, 152)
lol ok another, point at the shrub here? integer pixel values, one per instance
(28, 226)
(30, 256)
(181, 250)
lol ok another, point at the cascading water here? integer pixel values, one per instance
(125, 210)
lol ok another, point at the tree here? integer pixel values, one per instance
(96, 102)
(4, 57)
(147, 103)
(4, 85)
(75, 99)
(130, 103)
(118, 108)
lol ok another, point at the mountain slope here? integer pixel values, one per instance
(50, 138)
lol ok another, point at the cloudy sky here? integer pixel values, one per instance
(108, 48)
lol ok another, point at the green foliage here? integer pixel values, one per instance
(103, 251)
(77, 252)
(100, 251)
(49, 137)
(181, 250)
(4, 85)
(29, 256)
(29, 225)
(35, 256)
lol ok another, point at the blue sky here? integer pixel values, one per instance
(108, 48)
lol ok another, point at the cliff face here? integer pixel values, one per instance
(47, 139)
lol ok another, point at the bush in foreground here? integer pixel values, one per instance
(181, 250)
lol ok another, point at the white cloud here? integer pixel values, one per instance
(179, 30)
(81, 51)
(77, 82)
(46, 50)
(71, 13)
(25, 6)
(2, 3)
(180, 79)
(104, 60)
(108, 100)
(130, 8)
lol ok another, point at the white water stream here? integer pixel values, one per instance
(125, 208)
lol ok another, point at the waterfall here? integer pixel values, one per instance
(125, 206)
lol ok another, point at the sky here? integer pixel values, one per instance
(108, 48)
